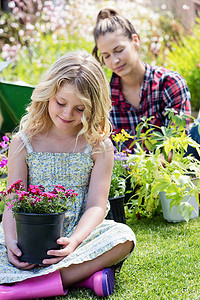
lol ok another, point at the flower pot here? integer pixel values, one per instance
(129, 193)
(3, 176)
(36, 234)
(174, 215)
(116, 212)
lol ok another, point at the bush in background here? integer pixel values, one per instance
(185, 59)
(36, 33)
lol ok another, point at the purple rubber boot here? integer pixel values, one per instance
(101, 282)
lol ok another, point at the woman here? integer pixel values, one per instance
(137, 89)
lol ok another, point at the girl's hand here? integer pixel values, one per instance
(68, 246)
(13, 256)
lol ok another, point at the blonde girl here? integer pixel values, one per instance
(64, 139)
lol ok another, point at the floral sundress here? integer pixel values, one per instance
(72, 170)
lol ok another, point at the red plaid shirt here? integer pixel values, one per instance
(161, 89)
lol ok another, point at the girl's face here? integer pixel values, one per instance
(66, 109)
(119, 53)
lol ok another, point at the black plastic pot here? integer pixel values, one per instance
(36, 234)
(116, 212)
(3, 176)
(128, 193)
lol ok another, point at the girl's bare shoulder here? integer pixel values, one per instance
(104, 149)
(15, 141)
(16, 146)
(109, 145)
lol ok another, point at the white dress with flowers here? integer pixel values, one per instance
(71, 170)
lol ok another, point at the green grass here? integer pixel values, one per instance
(164, 265)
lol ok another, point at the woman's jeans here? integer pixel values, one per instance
(195, 135)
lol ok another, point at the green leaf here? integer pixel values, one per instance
(148, 144)
(187, 210)
(160, 185)
(184, 180)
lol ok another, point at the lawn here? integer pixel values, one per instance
(164, 265)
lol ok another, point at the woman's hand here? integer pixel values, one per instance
(68, 246)
(13, 256)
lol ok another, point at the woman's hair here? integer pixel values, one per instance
(109, 20)
(80, 69)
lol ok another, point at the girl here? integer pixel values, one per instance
(63, 139)
(137, 89)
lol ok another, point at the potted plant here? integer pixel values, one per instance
(39, 217)
(160, 166)
(119, 177)
(116, 196)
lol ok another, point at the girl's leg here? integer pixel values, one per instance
(54, 284)
(77, 273)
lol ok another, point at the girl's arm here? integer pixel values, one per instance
(96, 204)
(97, 194)
(17, 169)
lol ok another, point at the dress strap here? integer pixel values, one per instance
(26, 142)
(88, 149)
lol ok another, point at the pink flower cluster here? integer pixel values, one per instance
(3, 158)
(3, 162)
(37, 200)
(5, 142)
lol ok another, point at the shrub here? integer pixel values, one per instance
(31, 62)
(36, 33)
(185, 59)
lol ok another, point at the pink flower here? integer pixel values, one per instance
(41, 188)
(10, 190)
(22, 194)
(59, 188)
(49, 195)
(3, 145)
(34, 190)
(3, 162)
(36, 200)
(15, 186)
(6, 138)
(9, 205)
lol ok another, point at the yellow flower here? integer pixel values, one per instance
(121, 136)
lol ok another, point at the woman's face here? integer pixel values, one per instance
(119, 53)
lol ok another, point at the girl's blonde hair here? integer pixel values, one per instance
(109, 20)
(80, 69)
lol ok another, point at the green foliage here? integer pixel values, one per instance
(120, 168)
(33, 61)
(185, 59)
(1, 207)
(36, 33)
(3, 183)
(165, 30)
(152, 173)
(118, 185)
